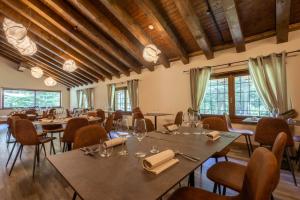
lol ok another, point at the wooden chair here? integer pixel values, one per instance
(266, 132)
(89, 135)
(261, 177)
(246, 133)
(69, 134)
(231, 175)
(26, 135)
(177, 121)
(118, 115)
(218, 124)
(109, 123)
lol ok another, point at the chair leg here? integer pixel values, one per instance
(59, 136)
(52, 145)
(290, 165)
(191, 181)
(250, 144)
(11, 152)
(43, 145)
(34, 159)
(226, 158)
(15, 160)
(21, 152)
(201, 168)
(248, 147)
(38, 154)
(224, 191)
(74, 196)
(215, 188)
(216, 159)
(219, 189)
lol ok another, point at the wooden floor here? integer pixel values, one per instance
(48, 184)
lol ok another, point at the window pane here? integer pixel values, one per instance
(128, 102)
(18, 98)
(120, 100)
(247, 100)
(216, 97)
(47, 99)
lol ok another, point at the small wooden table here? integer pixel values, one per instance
(155, 115)
(123, 177)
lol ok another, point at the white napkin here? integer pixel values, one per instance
(114, 142)
(214, 135)
(160, 162)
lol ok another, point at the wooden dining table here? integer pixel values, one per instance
(61, 121)
(123, 177)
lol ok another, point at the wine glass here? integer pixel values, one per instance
(104, 150)
(140, 131)
(122, 129)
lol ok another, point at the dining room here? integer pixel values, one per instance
(150, 99)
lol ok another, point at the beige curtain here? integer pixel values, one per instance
(79, 99)
(110, 95)
(132, 87)
(199, 78)
(269, 76)
(89, 98)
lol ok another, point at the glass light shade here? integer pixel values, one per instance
(50, 82)
(69, 66)
(151, 53)
(26, 46)
(37, 72)
(13, 31)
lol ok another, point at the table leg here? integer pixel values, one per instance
(191, 182)
(155, 122)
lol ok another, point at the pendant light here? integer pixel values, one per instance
(50, 82)
(69, 66)
(151, 53)
(13, 31)
(26, 46)
(37, 72)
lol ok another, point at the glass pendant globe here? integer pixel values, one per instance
(26, 46)
(151, 53)
(14, 32)
(50, 82)
(37, 72)
(69, 66)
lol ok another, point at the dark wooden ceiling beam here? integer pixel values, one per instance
(283, 9)
(53, 41)
(150, 9)
(133, 27)
(88, 29)
(39, 22)
(102, 22)
(69, 30)
(234, 25)
(189, 15)
(5, 46)
(46, 72)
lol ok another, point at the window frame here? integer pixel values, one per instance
(231, 94)
(33, 90)
(126, 91)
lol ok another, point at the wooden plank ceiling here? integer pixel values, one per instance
(106, 37)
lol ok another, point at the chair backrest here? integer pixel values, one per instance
(21, 115)
(52, 111)
(108, 126)
(136, 115)
(89, 135)
(261, 176)
(149, 125)
(178, 118)
(136, 109)
(118, 115)
(228, 120)
(25, 132)
(267, 130)
(68, 113)
(30, 111)
(101, 114)
(215, 123)
(72, 126)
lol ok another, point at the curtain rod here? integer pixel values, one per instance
(241, 61)
(125, 81)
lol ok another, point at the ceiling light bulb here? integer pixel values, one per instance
(37, 72)
(151, 27)
(69, 66)
(50, 82)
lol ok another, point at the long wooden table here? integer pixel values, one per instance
(120, 177)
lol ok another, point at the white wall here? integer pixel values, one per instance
(11, 78)
(167, 90)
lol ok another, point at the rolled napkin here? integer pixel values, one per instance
(214, 135)
(160, 162)
(114, 142)
(46, 120)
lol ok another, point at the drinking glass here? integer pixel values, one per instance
(140, 131)
(122, 130)
(105, 151)
(205, 128)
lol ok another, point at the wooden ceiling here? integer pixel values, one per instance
(106, 37)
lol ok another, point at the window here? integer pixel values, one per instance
(122, 101)
(216, 98)
(234, 94)
(247, 100)
(18, 98)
